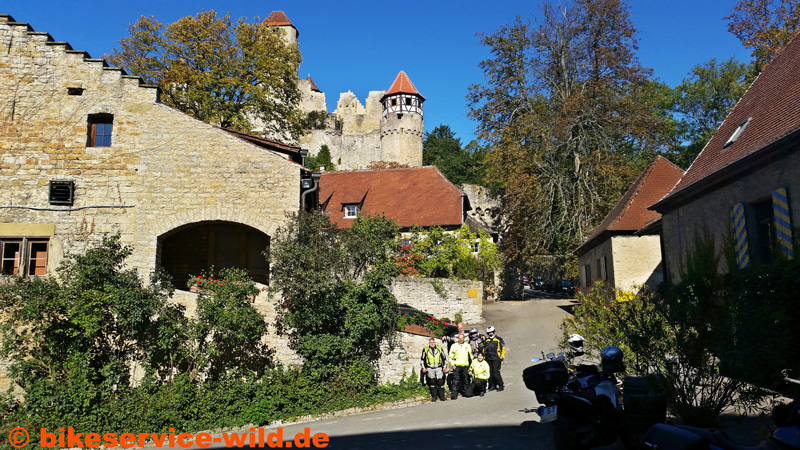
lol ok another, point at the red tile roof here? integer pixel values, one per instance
(631, 214)
(773, 103)
(278, 18)
(312, 84)
(402, 85)
(417, 196)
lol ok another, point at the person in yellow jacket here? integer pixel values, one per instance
(480, 377)
(460, 357)
(433, 363)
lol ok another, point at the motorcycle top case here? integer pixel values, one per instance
(545, 377)
(665, 437)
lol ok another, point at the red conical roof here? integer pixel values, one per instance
(402, 85)
(278, 18)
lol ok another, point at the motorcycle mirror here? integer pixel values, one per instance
(560, 353)
(551, 355)
(535, 360)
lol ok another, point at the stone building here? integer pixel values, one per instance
(88, 150)
(625, 250)
(388, 127)
(745, 183)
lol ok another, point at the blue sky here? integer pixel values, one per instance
(361, 45)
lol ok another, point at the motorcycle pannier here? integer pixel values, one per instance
(545, 377)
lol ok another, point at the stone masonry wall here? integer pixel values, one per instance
(464, 296)
(402, 358)
(163, 170)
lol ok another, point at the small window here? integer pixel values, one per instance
(737, 133)
(100, 126)
(476, 246)
(408, 101)
(23, 256)
(11, 251)
(350, 211)
(394, 102)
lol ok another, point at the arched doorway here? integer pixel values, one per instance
(193, 249)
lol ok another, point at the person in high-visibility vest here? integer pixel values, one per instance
(433, 364)
(460, 357)
(495, 353)
(480, 376)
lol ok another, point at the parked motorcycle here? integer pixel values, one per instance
(584, 402)
(679, 437)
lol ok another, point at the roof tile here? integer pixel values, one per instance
(278, 18)
(773, 103)
(631, 214)
(403, 85)
(416, 196)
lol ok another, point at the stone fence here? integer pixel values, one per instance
(442, 297)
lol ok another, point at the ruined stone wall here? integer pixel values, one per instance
(454, 296)
(401, 358)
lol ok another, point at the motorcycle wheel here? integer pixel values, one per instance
(566, 436)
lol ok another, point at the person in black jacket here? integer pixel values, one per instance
(495, 353)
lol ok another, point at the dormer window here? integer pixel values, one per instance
(350, 211)
(100, 126)
(737, 133)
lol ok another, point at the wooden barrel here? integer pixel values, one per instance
(645, 401)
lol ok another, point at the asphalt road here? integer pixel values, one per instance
(498, 420)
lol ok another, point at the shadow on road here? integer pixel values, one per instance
(529, 434)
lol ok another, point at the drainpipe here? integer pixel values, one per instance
(315, 176)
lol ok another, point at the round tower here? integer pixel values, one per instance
(402, 127)
(288, 30)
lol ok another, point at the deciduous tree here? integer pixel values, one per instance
(565, 106)
(701, 102)
(765, 26)
(234, 75)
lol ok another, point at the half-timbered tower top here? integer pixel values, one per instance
(402, 97)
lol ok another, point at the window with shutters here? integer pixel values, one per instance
(764, 232)
(100, 127)
(25, 256)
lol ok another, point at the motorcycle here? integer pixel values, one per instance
(680, 437)
(585, 403)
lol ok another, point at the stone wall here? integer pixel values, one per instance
(464, 296)
(636, 262)
(401, 358)
(162, 171)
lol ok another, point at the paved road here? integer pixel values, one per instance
(498, 420)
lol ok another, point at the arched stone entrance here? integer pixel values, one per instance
(193, 249)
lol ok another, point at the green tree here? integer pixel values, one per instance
(337, 306)
(765, 26)
(436, 253)
(565, 107)
(441, 148)
(701, 102)
(323, 157)
(218, 72)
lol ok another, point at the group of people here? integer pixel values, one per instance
(472, 365)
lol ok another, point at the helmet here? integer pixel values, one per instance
(611, 359)
(490, 331)
(473, 332)
(576, 343)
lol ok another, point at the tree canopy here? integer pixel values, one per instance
(570, 116)
(240, 76)
(441, 148)
(765, 26)
(338, 308)
(700, 104)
